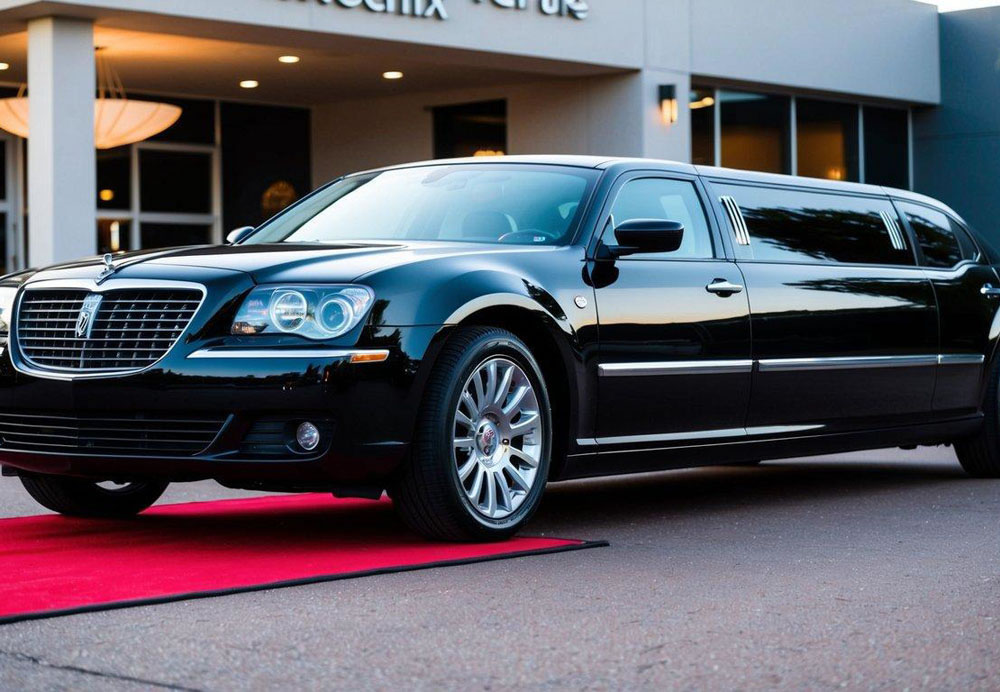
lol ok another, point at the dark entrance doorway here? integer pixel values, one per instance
(470, 129)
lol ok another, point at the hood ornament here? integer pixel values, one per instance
(109, 268)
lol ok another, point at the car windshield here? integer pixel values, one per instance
(479, 203)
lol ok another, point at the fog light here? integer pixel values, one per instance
(307, 435)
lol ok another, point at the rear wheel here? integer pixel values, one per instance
(980, 454)
(78, 497)
(480, 456)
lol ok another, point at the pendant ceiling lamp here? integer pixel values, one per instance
(118, 120)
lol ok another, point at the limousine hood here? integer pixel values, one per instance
(282, 262)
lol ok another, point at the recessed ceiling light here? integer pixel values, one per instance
(392, 74)
(289, 59)
(249, 84)
(4, 66)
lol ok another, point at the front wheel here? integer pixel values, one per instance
(480, 456)
(78, 497)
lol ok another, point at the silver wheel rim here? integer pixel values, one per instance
(497, 438)
(115, 487)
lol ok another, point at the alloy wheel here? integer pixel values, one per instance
(497, 438)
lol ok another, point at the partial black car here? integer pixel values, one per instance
(460, 333)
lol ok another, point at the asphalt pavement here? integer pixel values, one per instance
(878, 570)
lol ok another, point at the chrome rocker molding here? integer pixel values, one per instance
(791, 364)
(677, 367)
(723, 367)
(24, 366)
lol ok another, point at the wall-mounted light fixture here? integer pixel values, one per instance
(668, 103)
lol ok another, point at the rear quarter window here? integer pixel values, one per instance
(799, 226)
(942, 240)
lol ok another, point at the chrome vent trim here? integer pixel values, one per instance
(739, 224)
(895, 232)
(136, 323)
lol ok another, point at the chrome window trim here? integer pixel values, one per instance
(735, 214)
(895, 234)
(679, 367)
(23, 365)
(268, 353)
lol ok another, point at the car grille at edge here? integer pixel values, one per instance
(133, 328)
(118, 434)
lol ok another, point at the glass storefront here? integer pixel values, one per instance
(755, 131)
(471, 129)
(827, 139)
(836, 140)
(169, 189)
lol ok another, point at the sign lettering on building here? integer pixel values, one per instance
(427, 9)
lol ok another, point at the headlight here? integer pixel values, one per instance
(7, 294)
(315, 312)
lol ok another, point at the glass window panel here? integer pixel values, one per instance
(827, 137)
(195, 126)
(755, 131)
(933, 230)
(114, 178)
(793, 226)
(887, 147)
(113, 235)
(471, 129)
(671, 200)
(969, 248)
(703, 126)
(156, 235)
(175, 182)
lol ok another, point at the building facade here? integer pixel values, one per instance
(279, 96)
(957, 144)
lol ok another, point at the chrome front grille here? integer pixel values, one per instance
(129, 329)
(122, 434)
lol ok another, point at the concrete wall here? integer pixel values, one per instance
(880, 48)
(613, 116)
(957, 145)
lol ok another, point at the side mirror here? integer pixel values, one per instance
(648, 235)
(238, 234)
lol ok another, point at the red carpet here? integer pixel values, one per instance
(51, 565)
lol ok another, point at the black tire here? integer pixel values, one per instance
(979, 455)
(428, 495)
(77, 497)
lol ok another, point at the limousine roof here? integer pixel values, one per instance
(711, 172)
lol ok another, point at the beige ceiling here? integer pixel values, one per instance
(185, 65)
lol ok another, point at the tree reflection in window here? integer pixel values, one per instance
(798, 226)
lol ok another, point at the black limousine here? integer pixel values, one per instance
(458, 333)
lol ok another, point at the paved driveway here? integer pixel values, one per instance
(874, 570)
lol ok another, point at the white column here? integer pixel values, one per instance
(62, 165)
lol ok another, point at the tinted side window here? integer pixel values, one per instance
(970, 250)
(671, 200)
(795, 226)
(934, 232)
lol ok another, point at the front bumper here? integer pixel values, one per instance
(366, 409)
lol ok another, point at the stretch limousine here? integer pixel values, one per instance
(459, 333)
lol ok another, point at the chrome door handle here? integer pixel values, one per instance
(723, 288)
(990, 291)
